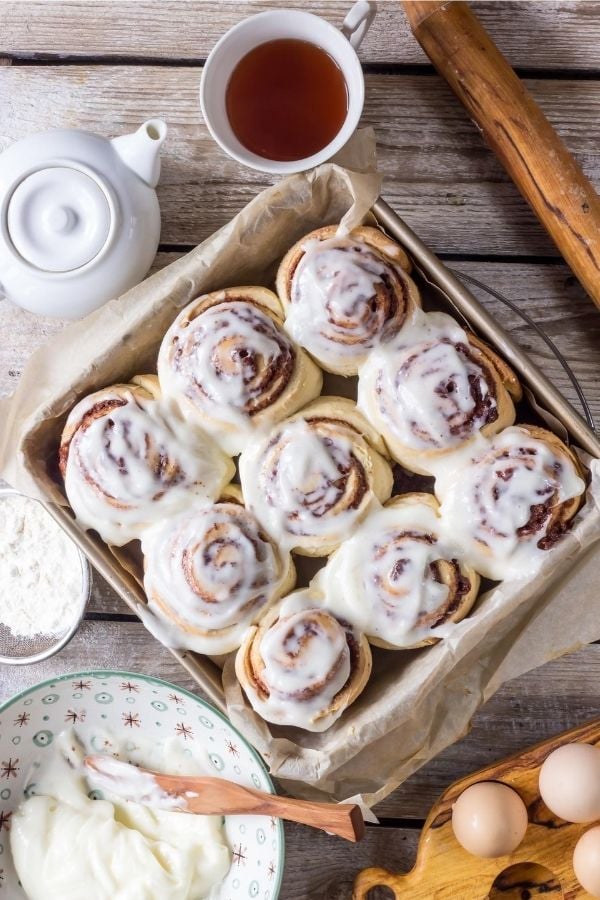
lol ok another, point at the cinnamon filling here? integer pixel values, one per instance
(295, 646)
(484, 405)
(458, 586)
(380, 317)
(97, 411)
(264, 380)
(166, 472)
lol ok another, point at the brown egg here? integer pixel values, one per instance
(570, 782)
(489, 819)
(586, 861)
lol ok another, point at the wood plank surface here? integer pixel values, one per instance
(319, 867)
(107, 66)
(537, 705)
(438, 173)
(531, 34)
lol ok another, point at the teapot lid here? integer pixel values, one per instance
(59, 218)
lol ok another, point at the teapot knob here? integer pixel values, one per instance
(61, 219)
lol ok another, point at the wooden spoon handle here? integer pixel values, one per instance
(516, 129)
(343, 819)
(216, 796)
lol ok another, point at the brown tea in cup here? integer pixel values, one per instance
(286, 99)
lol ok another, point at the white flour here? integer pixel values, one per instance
(40, 570)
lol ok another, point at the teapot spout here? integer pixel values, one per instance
(140, 151)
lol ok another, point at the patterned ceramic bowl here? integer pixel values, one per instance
(127, 705)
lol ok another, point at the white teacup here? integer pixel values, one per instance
(274, 25)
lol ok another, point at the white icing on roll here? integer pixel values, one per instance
(304, 482)
(335, 310)
(231, 362)
(425, 387)
(488, 502)
(307, 661)
(384, 578)
(136, 464)
(209, 573)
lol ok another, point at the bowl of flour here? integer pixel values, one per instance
(45, 581)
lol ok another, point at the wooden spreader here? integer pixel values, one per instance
(540, 867)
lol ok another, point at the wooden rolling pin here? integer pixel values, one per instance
(516, 129)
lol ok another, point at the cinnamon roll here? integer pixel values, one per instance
(345, 295)
(433, 389)
(315, 476)
(127, 462)
(227, 361)
(210, 573)
(396, 579)
(302, 666)
(511, 501)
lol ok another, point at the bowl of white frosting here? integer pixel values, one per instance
(45, 581)
(63, 839)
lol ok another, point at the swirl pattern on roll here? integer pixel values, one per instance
(511, 501)
(312, 479)
(126, 463)
(345, 295)
(302, 666)
(396, 579)
(227, 361)
(433, 389)
(209, 573)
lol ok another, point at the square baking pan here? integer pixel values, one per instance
(122, 570)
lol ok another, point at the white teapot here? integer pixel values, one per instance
(79, 217)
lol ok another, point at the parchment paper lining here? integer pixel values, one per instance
(416, 703)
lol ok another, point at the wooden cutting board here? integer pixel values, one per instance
(540, 867)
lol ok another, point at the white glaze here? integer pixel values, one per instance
(300, 662)
(217, 571)
(486, 499)
(226, 360)
(114, 776)
(289, 482)
(403, 385)
(124, 494)
(67, 846)
(329, 312)
(380, 579)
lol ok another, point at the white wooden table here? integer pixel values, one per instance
(108, 66)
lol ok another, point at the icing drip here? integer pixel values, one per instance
(504, 502)
(231, 361)
(305, 482)
(129, 463)
(305, 661)
(209, 573)
(395, 578)
(427, 386)
(345, 298)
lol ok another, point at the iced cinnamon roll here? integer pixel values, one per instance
(315, 476)
(512, 501)
(433, 389)
(228, 363)
(345, 295)
(396, 579)
(302, 666)
(210, 572)
(127, 462)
